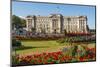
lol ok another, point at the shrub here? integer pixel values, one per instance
(74, 51)
(16, 43)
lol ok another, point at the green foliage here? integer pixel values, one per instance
(15, 60)
(15, 19)
(16, 43)
(61, 40)
(18, 22)
(71, 40)
(82, 51)
(74, 50)
(23, 22)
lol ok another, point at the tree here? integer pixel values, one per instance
(23, 22)
(18, 22)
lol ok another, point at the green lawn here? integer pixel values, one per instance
(40, 46)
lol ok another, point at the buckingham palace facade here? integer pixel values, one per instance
(57, 23)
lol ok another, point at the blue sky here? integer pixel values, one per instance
(29, 8)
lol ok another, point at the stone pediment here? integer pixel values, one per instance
(54, 15)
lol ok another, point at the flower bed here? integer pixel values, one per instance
(55, 57)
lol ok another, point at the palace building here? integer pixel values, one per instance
(57, 23)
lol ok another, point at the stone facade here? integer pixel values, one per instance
(56, 23)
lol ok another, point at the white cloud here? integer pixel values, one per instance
(21, 17)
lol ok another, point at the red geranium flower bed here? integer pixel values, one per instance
(55, 57)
